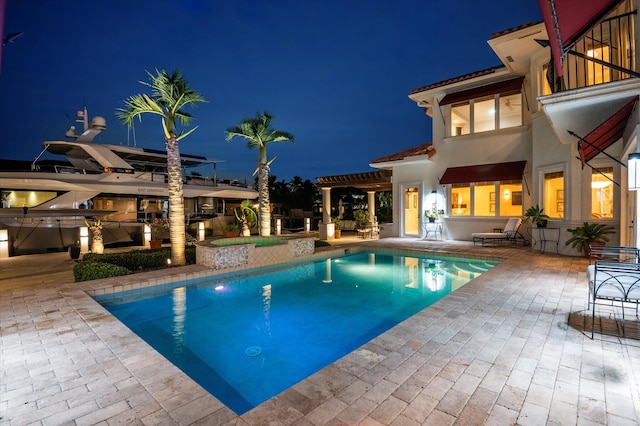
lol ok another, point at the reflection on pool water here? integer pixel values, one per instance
(245, 338)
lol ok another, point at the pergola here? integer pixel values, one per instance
(370, 182)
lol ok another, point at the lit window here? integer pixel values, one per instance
(510, 110)
(510, 198)
(26, 198)
(602, 193)
(460, 199)
(484, 115)
(460, 119)
(484, 199)
(554, 194)
(499, 111)
(598, 73)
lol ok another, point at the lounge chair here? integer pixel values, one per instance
(509, 233)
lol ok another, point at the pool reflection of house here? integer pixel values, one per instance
(501, 136)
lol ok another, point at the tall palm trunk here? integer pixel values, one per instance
(176, 203)
(263, 200)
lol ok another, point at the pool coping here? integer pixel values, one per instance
(162, 378)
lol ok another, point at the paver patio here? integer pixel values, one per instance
(508, 348)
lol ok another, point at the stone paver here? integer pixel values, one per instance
(511, 347)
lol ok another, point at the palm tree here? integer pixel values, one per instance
(169, 94)
(258, 133)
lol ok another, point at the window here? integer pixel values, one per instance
(510, 110)
(489, 199)
(484, 199)
(602, 193)
(460, 119)
(598, 73)
(554, 194)
(484, 115)
(500, 111)
(510, 198)
(26, 198)
(460, 199)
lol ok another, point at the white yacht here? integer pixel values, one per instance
(45, 202)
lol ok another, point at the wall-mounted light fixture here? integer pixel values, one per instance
(633, 166)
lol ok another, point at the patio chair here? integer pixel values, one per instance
(509, 233)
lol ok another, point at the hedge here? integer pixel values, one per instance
(96, 266)
(86, 271)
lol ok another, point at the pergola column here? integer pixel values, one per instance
(326, 205)
(371, 201)
(326, 228)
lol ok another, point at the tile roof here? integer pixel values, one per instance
(514, 29)
(424, 149)
(458, 79)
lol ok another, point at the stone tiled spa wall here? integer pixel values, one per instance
(223, 257)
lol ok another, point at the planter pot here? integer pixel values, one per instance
(74, 252)
(155, 244)
(593, 243)
(432, 220)
(541, 223)
(337, 233)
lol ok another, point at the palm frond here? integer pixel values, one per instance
(187, 133)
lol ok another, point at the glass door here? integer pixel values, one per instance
(411, 209)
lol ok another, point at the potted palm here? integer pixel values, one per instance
(537, 216)
(231, 229)
(337, 223)
(361, 218)
(246, 216)
(159, 229)
(589, 234)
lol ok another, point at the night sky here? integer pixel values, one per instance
(335, 73)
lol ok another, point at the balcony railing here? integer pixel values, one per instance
(605, 54)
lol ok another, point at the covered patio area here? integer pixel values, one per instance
(369, 182)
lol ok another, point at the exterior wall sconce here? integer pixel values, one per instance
(633, 166)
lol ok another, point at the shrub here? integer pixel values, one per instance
(85, 271)
(320, 243)
(140, 260)
(96, 266)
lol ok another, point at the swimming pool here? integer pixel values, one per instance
(245, 338)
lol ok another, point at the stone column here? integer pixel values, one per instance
(371, 201)
(326, 228)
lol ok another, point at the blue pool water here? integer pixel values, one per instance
(246, 338)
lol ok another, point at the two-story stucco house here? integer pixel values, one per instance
(553, 126)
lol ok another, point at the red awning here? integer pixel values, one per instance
(484, 173)
(479, 92)
(567, 21)
(608, 132)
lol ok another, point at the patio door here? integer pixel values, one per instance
(411, 210)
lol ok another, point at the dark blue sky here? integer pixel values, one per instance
(335, 73)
